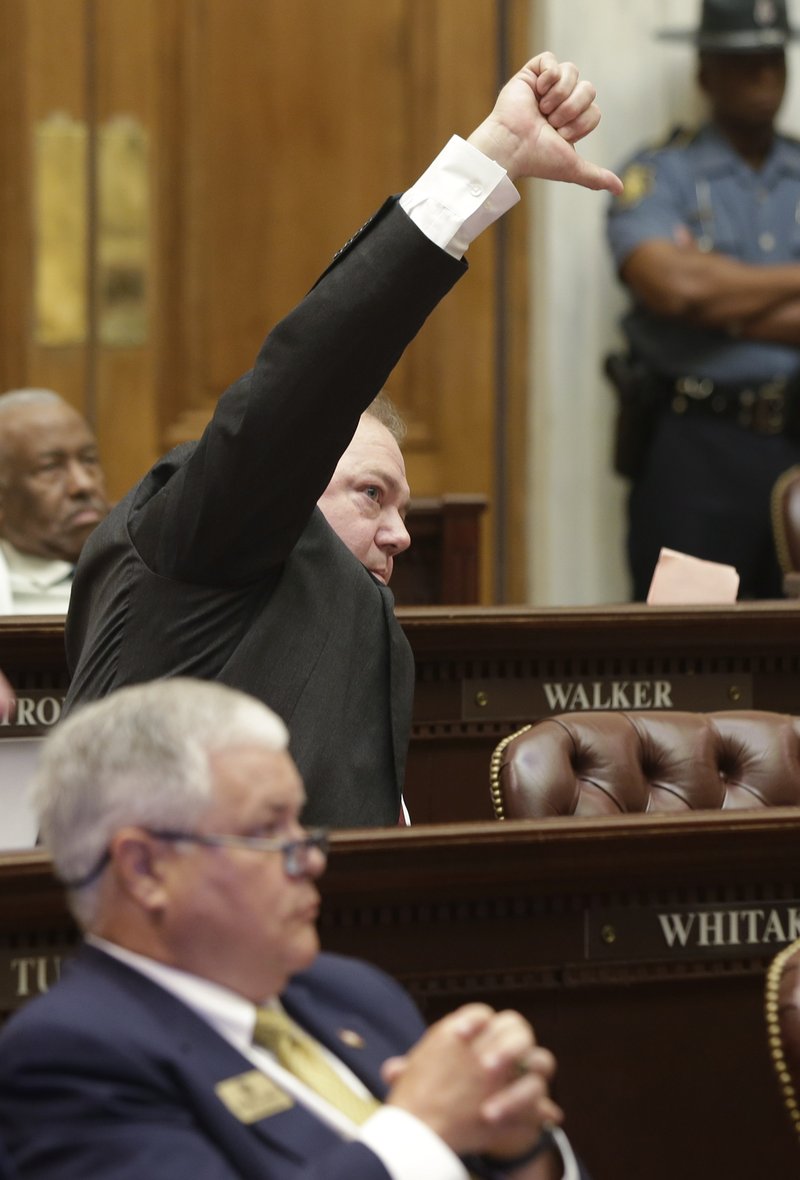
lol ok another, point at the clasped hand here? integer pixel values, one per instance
(479, 1080)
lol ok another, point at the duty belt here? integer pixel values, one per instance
(764, 409)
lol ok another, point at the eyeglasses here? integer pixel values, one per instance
(296, 853)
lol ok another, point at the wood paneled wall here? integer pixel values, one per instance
(272, 131)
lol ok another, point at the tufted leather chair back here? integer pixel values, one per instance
(783, 1025)
(785, 510)
(608, 763)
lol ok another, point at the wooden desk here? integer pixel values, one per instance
(484, 671)
(637, 945)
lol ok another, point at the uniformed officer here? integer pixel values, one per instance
(706, 237)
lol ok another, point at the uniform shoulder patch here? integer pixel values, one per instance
(637, 181)
(638, 177)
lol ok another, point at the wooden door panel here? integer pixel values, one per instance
(270, 131)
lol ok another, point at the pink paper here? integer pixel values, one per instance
(679, 578)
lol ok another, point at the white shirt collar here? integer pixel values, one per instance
(38, 584)
(230, 1014)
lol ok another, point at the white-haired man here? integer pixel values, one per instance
(199, 1032)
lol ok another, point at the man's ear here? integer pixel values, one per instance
(135, 860)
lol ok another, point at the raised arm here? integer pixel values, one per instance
(278, 433)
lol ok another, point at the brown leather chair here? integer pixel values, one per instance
(785, 512)
(607, 763)
(783, 1025)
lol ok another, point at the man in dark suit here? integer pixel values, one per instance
(200, 1033)
(219, 564)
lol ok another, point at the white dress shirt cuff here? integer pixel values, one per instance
(408, 1149)
(458, 196)
(571, 1170)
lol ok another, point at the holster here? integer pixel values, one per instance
(639, 400)
(792, 428)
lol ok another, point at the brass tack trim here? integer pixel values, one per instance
(775, 1041)
(494, 772)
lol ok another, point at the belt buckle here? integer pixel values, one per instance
(690, 389)
(697, 388)
(769, 409)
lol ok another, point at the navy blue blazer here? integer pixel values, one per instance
(110, 1077)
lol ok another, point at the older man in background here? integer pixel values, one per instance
(200, 1032)
(52, 495)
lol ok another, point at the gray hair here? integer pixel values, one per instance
(28, 397)
(383, 408)
(141, 756)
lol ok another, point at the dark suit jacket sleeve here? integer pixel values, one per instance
(236, 508)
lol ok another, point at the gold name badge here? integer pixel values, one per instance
(251, 1096)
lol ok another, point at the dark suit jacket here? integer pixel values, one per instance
(109, 1077)
(219, 565)
(7, 1171)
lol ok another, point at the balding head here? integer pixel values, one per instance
(52, 487)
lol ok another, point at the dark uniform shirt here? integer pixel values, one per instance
(697, 181)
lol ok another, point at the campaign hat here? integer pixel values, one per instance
(738, 26)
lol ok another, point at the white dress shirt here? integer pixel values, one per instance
(33, 585)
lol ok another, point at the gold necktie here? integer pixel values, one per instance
(275, 1031)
